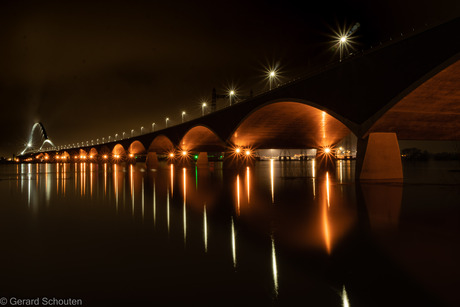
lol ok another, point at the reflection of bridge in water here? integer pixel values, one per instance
(408, 90)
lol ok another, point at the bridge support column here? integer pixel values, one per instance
(202, 161)
(152, 160)
(379, 158)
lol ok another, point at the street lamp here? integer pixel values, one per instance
(116, 136)
(202, 108)
(183, 114)
(167, 119)
(124, 135)
(230, 95)
(271, 76)
(132, 132)
(153, 127)
(342, 43)
(142, 130)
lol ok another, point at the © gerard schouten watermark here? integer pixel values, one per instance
(40, 301)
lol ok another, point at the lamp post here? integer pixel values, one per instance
(116, 136)
(203, 105)
(183, 115)
(153, 127)
(271, 76)
(230, 95)
(124, 135)
(132, 132)
(342, 43)
(142, 130)
(167, 119)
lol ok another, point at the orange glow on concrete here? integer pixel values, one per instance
(118, 150)
(136, 147)
(200, 138)
(161, 144)
(430, 112)
(292, 124)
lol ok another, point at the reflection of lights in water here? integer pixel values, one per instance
(81, 179)
(91, 180)
(75, 177)
(115, 183)
(313, 166)
(205, 230)
(143, 205)
(196, 178)
(167, 208)
(57, 176)
(185, 199)
(172, 179)
(327, 189)
(248, 183)
(131, 175)
(345, 302)
(238, 194)
(48, 184)
(105, 178)
(272, 180)
(64, 178)
(233, 244)
(327, 237)
(275, 268)
(154, 204)
(29, 177)
(340, 171)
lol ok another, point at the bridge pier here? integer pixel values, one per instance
(202, 161)
(152, 160)
(379, 158)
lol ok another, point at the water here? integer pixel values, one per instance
(275, 234)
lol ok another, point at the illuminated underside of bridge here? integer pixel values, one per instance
(430, 112)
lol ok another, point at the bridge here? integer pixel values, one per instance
(408, 89)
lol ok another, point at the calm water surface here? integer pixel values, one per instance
(275, 234)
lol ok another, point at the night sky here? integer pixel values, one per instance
(90, 69)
